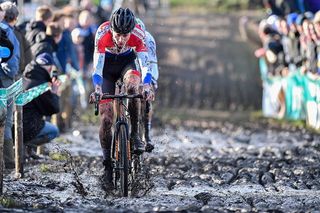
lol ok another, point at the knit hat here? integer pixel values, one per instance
(44, 59)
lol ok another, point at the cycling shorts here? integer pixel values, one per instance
(116, 66)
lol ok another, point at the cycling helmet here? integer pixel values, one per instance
(122, 21)
(141, 24)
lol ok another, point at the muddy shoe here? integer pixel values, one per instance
(149, 146)
(107, 175)
(31, 153)
(139, 146)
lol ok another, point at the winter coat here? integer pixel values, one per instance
(44, 44)
(25, 51)
(34, 30)
(46, 104)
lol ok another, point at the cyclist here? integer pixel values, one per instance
(153, 67)
(114, 58)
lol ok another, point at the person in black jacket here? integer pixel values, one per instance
(37, 27)
(36, 130)
(48, 43)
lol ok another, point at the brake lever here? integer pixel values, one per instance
(96, 104)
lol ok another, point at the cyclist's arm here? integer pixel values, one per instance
(98, 57)
(152, 56)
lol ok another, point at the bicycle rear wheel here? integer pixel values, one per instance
(124, 164)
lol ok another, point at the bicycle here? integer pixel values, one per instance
(125, 161)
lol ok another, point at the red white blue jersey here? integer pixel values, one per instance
(105, 44)
(152, 57)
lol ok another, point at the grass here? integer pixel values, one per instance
(59, 156)
(8, 202)
(44, 168)
(62, 140)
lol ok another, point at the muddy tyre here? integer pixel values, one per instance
(124, 171)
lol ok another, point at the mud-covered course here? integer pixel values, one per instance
(209, 165)
(222, 168)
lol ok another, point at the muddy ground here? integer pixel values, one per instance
(225, 168)
(208, 166)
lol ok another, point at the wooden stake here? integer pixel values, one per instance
(18, 131)
(3, 116)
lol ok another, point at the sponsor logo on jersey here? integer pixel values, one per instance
(139, 33)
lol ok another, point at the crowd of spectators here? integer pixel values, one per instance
(57, 40)
(290, 36)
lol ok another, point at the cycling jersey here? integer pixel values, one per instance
(152, 57)
(104, 44)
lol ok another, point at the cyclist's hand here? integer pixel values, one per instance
(95, 94)
(147, 92)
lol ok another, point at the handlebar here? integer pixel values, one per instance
(121, 96)
(107, 96)
(96, 103)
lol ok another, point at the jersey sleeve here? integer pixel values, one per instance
(99, 53)
(142, 53)
(152, 56)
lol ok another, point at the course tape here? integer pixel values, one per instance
(10, 92)
(293, 97)
(22, 98)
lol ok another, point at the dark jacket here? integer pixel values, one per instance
(46, 104)
(25, 51)
(44, 44)
(35, 29)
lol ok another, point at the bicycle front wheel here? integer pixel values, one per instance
(124, 164)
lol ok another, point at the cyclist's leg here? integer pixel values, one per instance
(132, 81)
(105, 131)
(148, 121)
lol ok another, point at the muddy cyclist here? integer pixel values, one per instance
(117, 44)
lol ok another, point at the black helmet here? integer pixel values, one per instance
(122, 21)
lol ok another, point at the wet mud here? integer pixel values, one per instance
(229, 168)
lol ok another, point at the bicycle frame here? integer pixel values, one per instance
(121, 149)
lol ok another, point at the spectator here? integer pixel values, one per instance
(8, 71)
(37, 131)
(49, 43)
(88, 29)
(316, 23)
(66, 48)
(99, 13)
(38, 27)
(4, 41)
(25, 51)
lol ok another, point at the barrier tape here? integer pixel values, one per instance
(22, 98)
(31, 94)
(10, 92)
(294, 97)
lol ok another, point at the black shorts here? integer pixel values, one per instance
(115, 67)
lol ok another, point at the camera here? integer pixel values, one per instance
(54, 74)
